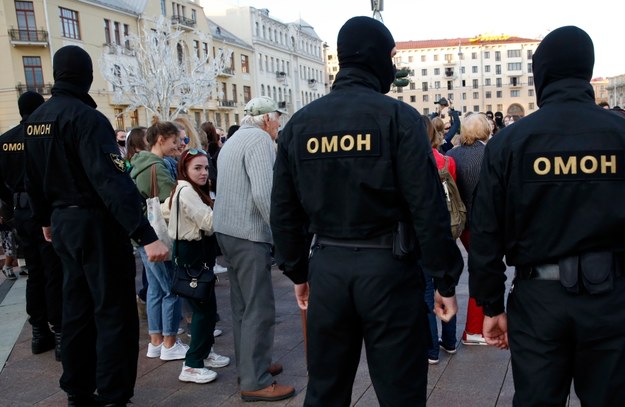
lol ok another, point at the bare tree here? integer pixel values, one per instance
(154, 70)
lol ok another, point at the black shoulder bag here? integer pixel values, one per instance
(195, 282)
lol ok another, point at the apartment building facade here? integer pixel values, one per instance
(31, 31)
(289, 64)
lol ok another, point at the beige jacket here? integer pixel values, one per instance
(195, 215)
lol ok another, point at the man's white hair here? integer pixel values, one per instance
(258, 120)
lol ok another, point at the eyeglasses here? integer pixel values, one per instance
(196, 151)
(185, 140)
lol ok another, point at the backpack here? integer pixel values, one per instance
(457, 210)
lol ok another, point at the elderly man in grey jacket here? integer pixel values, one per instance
(241, 223)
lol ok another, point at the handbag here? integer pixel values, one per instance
(154, 213)
(195, 282)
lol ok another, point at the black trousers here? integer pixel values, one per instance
(45, 273)
(358, 294)
(100, 342)
(556, 337)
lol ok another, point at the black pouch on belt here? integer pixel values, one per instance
(598, 269)
(569, 273)
(404, 240)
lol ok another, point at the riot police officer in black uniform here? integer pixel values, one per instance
(356, 168)
(88, 205)
(550, 198)
(45, 276)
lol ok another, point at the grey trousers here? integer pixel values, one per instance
(253, 308)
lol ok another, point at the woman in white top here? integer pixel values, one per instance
(191, 225)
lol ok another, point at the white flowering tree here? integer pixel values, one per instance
(155, 71)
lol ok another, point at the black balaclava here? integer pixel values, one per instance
(366, 43)
(72, 65)
(29, 102)
(566, 52)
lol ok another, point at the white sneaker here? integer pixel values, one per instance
(215, 360)
(218, 268)
(180, 331)
(154, 351)
(176, 352)
(8, 273)
(217, 332)
(473, 339)
(196, 375)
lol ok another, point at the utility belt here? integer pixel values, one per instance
(592, 272)
(402, 241)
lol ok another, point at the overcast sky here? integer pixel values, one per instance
(419, 20)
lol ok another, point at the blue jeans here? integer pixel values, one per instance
(162, 306)
(448, 329)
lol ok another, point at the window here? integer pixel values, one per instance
(400, 98)
(245, 64)
(424, 72)
(488, 94)
(69, 23)
(119, 118)
(236, 118)
(163, 8)
(498, 82)
(25, 13)
(530, 69)
(499, 95)
(196, 47)
(437, 71)
(487, 68)
(530, 105)
(234, 93)
(424, 86)
(497, 55)
(474, 69)
(497, 69)
(515, 93)
(262, 90)
(475, 84)
(514, 66)
(423, 58)
(33, 73)
(411, 59)
(476, 108)
(450, 85)
(426, 98)
(530, 54)
(218, 119)
(107, 31)
(437, 85)
(412, 86)
(413, 99)
(126, 33)
(474, 55)
(205, 48)
(487, 82)
(530, 92)
(247, 94)
(486, 54)
(193, 15)
(476, 95)
(435, 57)
(530, 81)
(449, 58)
(514, 53)
(134, 118)
(180, 53)
(118, 39)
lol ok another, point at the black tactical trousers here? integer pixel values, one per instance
(358, 294)
(100, 342)
(556, 337)
(45, 274)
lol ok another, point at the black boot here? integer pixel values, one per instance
(43, 340)
(57, 345)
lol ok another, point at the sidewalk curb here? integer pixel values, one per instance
(12, 318)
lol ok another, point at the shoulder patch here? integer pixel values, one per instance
(350, 143)
(118, 162)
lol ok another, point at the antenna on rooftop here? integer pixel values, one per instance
(377, 6)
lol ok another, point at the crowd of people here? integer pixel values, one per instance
(353, 210)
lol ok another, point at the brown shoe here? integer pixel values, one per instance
(274, 369)
(273, 392)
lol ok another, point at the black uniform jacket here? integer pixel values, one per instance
(551, 185)
(11, 163)
(349, 166)
(72, 159)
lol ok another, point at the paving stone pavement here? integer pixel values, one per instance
(475, 376)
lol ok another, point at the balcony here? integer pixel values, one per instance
(449, 73)
(45, 89)
(312, 83)
(229, 104)
(184, 22)
(33, 38)
(115, 49)
(227, 72)
(281, 76)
